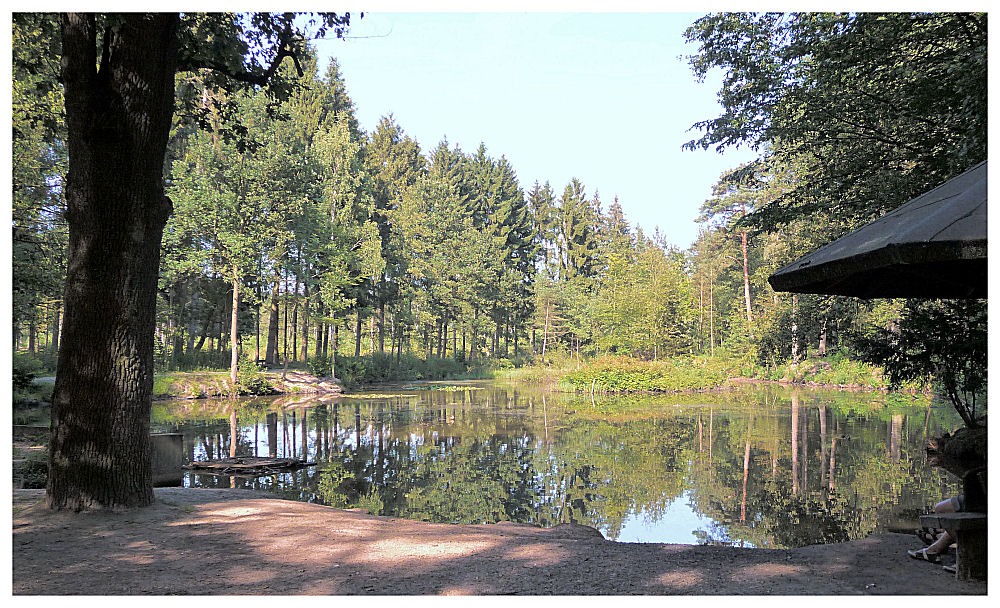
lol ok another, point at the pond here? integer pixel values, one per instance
(757, 466)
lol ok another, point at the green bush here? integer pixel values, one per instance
(623, 374)
(33, 416)
(379, 367)
(32, 472)
(837, 370)
(25, 368)
(502, 363)
(372, 502)
(250, 379)
(199, 360)
(319, 366)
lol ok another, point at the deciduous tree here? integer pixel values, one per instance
(118, 77)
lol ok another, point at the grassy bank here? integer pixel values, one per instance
(624, 375)
(603, 374)
(351, 371)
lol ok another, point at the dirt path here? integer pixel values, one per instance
(199, 541)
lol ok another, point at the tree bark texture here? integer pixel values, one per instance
(118, 120)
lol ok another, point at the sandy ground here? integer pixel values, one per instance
(236, 542)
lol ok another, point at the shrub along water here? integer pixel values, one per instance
(370, 369)
(624, 374)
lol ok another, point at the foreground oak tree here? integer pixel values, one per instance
(118, 76)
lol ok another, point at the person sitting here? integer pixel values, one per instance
(940, 544)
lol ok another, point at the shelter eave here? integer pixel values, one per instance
(954, 269)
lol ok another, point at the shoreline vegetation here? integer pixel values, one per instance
(600, 375)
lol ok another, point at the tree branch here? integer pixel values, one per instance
(285, 49)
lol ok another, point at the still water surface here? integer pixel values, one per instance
(756, 466)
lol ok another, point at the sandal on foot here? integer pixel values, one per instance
(953, 568)
(924, 555)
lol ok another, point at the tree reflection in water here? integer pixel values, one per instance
(769, 467)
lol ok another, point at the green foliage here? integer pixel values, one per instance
(838, 370)
(191, 385)
(337, 487)
(620, 374)
(250, 380)
(353, 371)
(32, 472)
(24, 370)
(320, 366)
(626, 375)
(944, 339)
(279, 193)
(372, 502)
(877, 107)
(534, 372)
(196, 360)
(32, 415)
(854, 114)
(643, 302)
(38, 167)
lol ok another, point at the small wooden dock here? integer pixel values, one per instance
(247, 466)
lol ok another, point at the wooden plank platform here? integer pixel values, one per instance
(247, 465)
(954, 521)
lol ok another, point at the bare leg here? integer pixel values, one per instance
(947, 538)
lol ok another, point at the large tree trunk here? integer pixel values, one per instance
(118, 121)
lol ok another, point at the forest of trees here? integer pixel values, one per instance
(312, 235)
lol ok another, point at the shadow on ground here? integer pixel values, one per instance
(236, 542)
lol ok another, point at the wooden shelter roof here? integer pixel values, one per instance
(932, 246)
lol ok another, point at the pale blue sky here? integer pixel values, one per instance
(606, 98)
